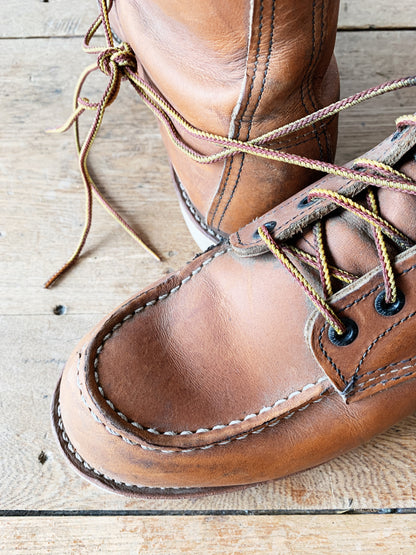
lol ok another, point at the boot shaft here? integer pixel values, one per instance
(237, 69)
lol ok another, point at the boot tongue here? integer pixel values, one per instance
(349, 241)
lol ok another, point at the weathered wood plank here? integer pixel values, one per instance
(366, 534)
(57, 18)
(373, 14)
(61, 18)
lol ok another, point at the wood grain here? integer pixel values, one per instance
(41, 214)
(155, 535)
(60, 18)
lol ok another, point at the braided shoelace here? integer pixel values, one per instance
(119, 64)
(381, 228)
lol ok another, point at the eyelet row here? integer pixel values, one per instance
(351, 328)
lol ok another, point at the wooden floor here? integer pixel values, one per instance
(364, 501)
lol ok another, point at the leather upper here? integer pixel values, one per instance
(238, 69)
(223, 374)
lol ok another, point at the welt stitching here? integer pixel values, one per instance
(253, 78)
(259, 97)
(392, 371)
(84, 463)
(195, 214)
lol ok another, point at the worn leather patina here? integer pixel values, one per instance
(223, 375)
(237, 69)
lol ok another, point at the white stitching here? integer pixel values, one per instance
(217, 426)
(184, 432)
(272, 423)
(84, 463)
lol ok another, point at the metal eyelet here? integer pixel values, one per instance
(346, 338)
(269, 226)
(305, 203)
(389, 309)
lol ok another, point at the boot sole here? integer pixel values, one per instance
(109, 484)
(203, 235)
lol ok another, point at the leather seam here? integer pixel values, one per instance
(151, 303)
(306, 80)
(260, 95)
(260, 31)
(273, 422)
(323, 30)
(403, 361)
(88, 467)
(217, 426)
(392, 371)
(384, 382)
(380, 336)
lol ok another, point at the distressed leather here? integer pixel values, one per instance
(222, 375)
(238, 69)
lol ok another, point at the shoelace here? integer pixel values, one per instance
(380, 227)
(119, 63)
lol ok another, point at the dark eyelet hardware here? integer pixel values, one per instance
(304, 203)
(389, 309)
(269, 226)
(399, 133)
(346, 338)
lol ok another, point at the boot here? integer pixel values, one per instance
(236, 69)
(268, 354)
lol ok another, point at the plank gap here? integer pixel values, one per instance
(206, 512)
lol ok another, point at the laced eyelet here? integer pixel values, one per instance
(269, 226)
(304, 203)
(389, 309)
(346, 338)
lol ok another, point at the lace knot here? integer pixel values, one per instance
(116, 58)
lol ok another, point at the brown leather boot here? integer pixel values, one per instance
(268, 354)
(215, 72)
(237, 69)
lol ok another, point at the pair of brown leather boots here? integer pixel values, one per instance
(291, 338)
